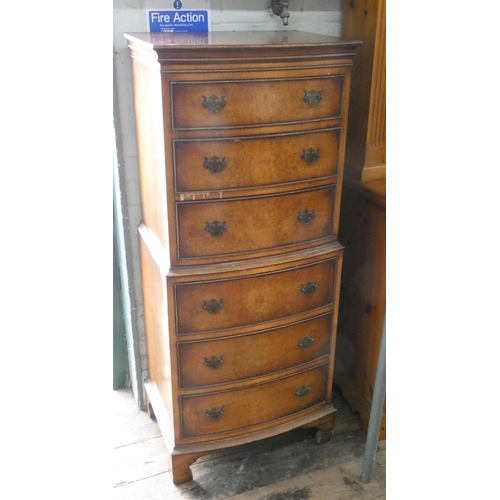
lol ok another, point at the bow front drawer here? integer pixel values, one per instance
(229, 303)
(228, 228)
(215, 413)
(248, 103)
(210, 362)
(247, 162)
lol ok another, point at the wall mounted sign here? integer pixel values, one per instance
(185, 16)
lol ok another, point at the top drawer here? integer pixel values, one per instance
(248, 103)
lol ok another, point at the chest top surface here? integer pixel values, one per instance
(250, 39)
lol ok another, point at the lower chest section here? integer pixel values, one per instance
(253, 350)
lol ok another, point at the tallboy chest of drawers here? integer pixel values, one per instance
(241, 141)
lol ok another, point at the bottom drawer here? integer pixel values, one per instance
(239, 409)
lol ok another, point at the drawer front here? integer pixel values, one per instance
(219, 361)
(230, 303)
(247, 103)
(216, 413)
(222, 228)
(236, 163)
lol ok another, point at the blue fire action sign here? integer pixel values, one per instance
(180, 17)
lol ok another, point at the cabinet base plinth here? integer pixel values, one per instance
(182, 456)
(325, 428)
(180, 461)
(180, 466)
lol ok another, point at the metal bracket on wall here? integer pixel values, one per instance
(280, 8)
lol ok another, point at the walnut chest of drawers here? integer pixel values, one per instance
(241, 141)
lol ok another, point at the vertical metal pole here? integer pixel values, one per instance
(375, 413)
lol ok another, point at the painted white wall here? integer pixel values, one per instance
(315, 16)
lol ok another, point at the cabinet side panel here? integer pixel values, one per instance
(362, 299)
(157, 339)
(366, 139)
(150, 145)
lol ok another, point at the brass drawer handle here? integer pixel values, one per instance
(309, 288)
(306, 217)
(213, 306)
(215, 228)
(214, 165)
(310, 155)
(313, 97)
(306, 342)
(214, 414)
(213, 104)
(213, 362)
(303, 391)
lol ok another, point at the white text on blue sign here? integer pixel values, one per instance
(184, 21)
